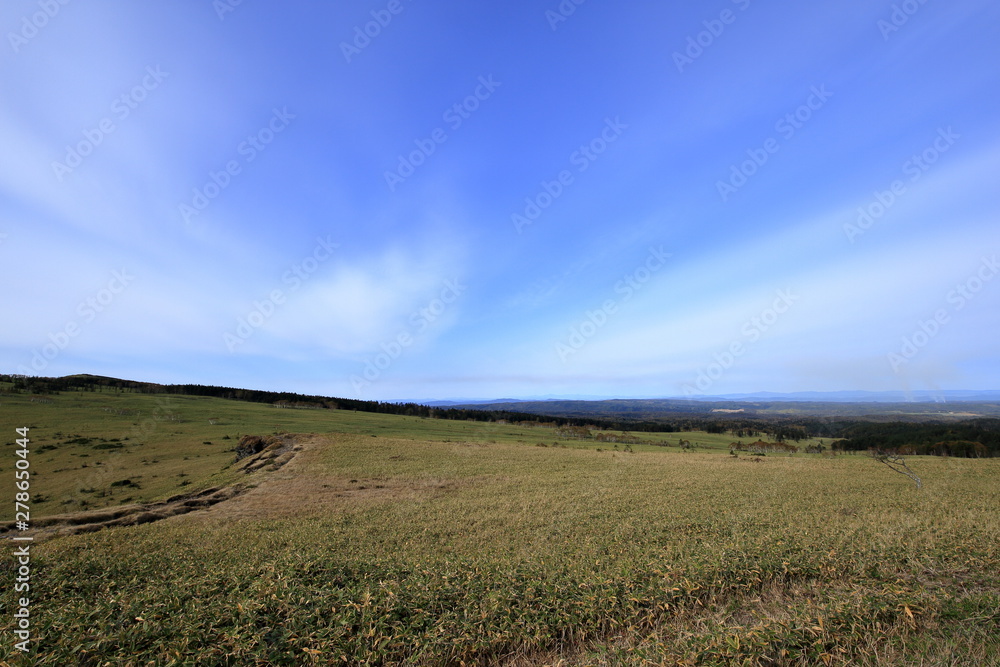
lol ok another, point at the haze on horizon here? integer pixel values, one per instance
(406, 199)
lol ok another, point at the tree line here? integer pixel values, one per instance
(974, 438)
(969, 438)
(44, 385)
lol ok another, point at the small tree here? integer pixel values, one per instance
(896, 463)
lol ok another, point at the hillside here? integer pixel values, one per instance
(389, 539)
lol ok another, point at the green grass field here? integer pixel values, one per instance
(166, 444)
(394, 540)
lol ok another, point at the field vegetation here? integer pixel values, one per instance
(390, 539)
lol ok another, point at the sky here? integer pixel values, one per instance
(404, 199)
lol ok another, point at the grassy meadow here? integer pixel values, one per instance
(85, 442)
(396, 540)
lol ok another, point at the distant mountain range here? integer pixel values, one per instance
(920, 405)
(945, 405)
(919, 396)
(449, 402)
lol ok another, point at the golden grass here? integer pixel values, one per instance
(406, 549)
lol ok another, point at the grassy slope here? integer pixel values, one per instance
(159, 442)
(444, 541)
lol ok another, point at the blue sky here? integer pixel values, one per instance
(421, 200)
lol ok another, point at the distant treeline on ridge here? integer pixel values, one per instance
(969, 438)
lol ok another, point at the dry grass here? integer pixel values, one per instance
(393, 550)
